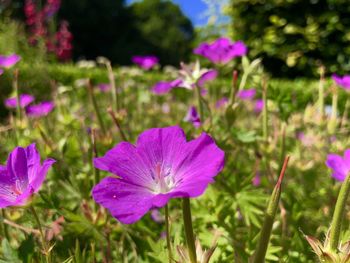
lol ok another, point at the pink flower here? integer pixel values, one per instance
(145, 62)
(162, 165)
(339, 164)
(259, 105)
(22, 175)
(342, 81)
(24, 101)
(222, 50)
(9, 61)
(193, 117)
(163, 87)
(40, 110)
(247, 94)
(104, 87)
(221, 102)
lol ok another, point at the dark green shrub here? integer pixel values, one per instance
(294, 36)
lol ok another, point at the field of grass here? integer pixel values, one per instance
(86, 123)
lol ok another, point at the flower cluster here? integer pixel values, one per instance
(39, 110)
(222, 50)
(145, 62)
(37, 21)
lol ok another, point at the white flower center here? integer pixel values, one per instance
(163, 179)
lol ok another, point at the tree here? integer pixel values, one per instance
(295, 36)
(164, 30)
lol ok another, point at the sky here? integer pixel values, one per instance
(194, 9)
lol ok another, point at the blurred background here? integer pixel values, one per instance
(293, 37)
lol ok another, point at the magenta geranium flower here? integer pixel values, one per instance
(342, 81)
(246, 94)
(222, 50)
(340, 165)
(22, 175)
(259, 105)
(40, 110)
(193, 117)
(104, 87)
(206, 77)
(221, 102)
(24, 101)
(145, 62)
(163, 87)
(162, 165)
(9, 61)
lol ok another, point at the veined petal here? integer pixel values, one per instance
(124, 161)
(125, 201)
(17, 168)
(201, 162)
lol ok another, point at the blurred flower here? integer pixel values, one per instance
(247, 94)
(163, 87)
(156, 216)
(221, 102)
(64, 44)
(207, 76)
(1, 71)
(340, 165)
(192, 116)
(86, 64)
(9, 61)
(104, 87)
(221, 50)
(51, 8)
(259, 105)
(22, 175)
(145, 62)
(162, 165)
(342, 81)
(257, 179)
(40, 110)
(24, 101)
(192, 75)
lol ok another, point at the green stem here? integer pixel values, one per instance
(259, 256)
(4, 226)
(321, 93)
(96, 108)
(191, 247)
(15, 87)
(339, 212)
(199, 101)
(113, 86)
(42, 235)
(117, 124)
(168, 233)
(265, 113)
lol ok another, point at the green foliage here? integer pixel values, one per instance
(163, 29)
(109, 28)
(295, 36)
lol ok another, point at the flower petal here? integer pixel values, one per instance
(124, 161)
(17, 168)
(201, 162)
(125, 201)
(337, 164)
(39, 178)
